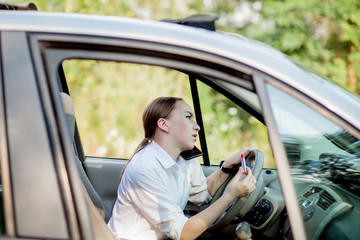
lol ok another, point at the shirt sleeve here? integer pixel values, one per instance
(146, 190)
(198, 193)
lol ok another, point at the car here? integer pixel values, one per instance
(64, 139)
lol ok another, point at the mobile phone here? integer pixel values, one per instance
(190, 154)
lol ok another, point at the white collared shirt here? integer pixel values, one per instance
(152, 194)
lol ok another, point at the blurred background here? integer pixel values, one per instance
(321, 34)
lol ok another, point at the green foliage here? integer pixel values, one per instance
(321, 34)
(228, 127)
(110, 97)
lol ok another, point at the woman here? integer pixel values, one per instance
(157, 182)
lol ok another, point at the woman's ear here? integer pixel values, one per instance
(162, 125)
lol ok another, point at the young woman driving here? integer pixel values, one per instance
(157, 182)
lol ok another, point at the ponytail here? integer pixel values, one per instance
(141, 146)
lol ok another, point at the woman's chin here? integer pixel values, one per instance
(188, 148)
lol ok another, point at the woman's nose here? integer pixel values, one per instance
(197, 127)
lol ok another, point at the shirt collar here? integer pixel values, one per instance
(161, 155)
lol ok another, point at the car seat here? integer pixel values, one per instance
(69, 110)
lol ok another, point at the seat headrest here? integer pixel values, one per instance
(69, 109)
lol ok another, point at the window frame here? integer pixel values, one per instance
(4, 164)
(58, 48)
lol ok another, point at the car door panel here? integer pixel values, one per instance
(104, 174)
(208, 170)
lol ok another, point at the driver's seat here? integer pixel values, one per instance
(69, 110)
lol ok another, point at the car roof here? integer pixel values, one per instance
(249, 52)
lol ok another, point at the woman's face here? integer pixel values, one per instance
(182, 126)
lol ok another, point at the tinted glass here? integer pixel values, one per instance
(324, 160)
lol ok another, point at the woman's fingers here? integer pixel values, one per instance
(249, 182)
(240, 185)
(236, 158)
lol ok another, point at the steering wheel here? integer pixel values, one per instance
(254, 161)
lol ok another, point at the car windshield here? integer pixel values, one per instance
(318, 149)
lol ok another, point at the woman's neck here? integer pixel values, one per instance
(168, 147)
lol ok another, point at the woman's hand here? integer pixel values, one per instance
(236, 158)
(203, 220)
(238, 187)
(217, 178)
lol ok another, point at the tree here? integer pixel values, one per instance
(322, 34)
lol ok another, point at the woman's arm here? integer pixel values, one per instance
(217, 178)
(197, 224)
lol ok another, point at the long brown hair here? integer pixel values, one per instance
(159, 108)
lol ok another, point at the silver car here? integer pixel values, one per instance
(59, 181)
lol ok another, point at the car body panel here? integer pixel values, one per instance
(20, 89)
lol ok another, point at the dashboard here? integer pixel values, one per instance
(319, 205)
(325, 210)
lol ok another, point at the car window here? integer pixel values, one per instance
(110, 97)
(229, 128)
(324, 160)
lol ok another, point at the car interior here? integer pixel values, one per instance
(324, 205)
(100, 174)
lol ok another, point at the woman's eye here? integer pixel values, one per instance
(189, 117)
